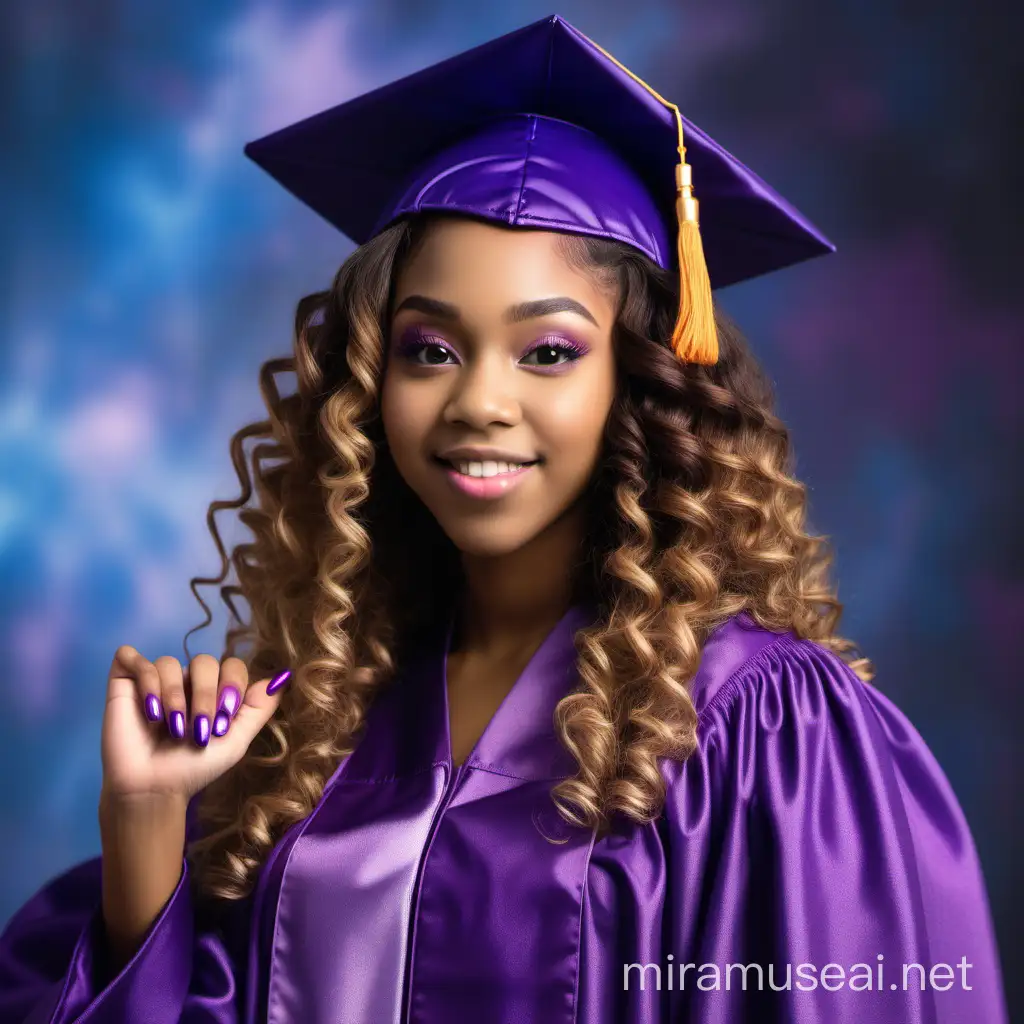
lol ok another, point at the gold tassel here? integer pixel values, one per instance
(694, 337)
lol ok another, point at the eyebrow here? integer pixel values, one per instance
(514, 314)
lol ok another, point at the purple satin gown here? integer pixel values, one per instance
(811, 836)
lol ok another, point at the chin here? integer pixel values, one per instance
(487, 538)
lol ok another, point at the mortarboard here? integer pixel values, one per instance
(542, 128)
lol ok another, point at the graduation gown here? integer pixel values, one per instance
(810, 832)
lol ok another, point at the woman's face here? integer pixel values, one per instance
(499, 379)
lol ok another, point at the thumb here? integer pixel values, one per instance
(261, 701)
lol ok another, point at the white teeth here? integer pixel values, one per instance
(488, 468)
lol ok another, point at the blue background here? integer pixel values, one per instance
(148, 268)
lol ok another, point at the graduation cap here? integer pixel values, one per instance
(542, 128)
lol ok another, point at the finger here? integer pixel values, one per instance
(258, 707)
(204, 673)
(234, 681)
(132, 675)
(172, 687)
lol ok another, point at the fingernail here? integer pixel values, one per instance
(278, 681)
(176, 724)
(230, 700)
(201, 730)
(153, 712)
(220, 724)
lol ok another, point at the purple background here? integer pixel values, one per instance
(148, 268)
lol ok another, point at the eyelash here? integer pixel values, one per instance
(566, 346)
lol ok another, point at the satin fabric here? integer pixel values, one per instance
(811, 827)
(524, 171)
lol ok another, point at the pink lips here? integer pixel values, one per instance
(487, 486)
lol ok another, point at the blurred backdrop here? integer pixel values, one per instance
(148, 268)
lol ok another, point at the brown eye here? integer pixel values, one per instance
(558, 352)
(434, 354)
(422, 351)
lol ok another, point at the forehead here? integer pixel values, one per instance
(471, 260)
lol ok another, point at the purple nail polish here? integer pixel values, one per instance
(220, 724)
(278, 681)
(176, 724)
(230, 700)
(201, 730)
(153, 712)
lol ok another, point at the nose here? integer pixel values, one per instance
(483, 393)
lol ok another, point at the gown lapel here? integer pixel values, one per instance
(407, 728)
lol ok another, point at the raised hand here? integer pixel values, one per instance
(169, 731)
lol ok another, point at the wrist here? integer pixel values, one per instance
(131, 825)
(141, 807)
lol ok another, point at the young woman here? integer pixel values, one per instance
(568, 735)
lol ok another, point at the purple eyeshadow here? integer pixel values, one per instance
(413, 338)
(572, 347)
(561, 342)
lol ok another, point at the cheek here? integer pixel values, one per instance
(404, 418)
(572, 424)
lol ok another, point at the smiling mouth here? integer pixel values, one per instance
(485, 480)
(484, 469)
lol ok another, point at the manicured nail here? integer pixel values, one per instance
(220, 724)
(230, 700)
(278, 681)
(201, 730)
(176, 724)
(153, 712)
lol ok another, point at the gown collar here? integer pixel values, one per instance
(407, 728)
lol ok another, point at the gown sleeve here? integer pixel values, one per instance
(52, 956)
(814, 843)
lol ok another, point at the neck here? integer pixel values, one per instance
(511, 601)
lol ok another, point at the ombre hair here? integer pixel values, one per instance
(693, 516)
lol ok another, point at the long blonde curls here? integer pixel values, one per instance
(693, 517)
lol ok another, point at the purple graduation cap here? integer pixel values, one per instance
(542, 128)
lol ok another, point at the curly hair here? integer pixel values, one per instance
(693, 515)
